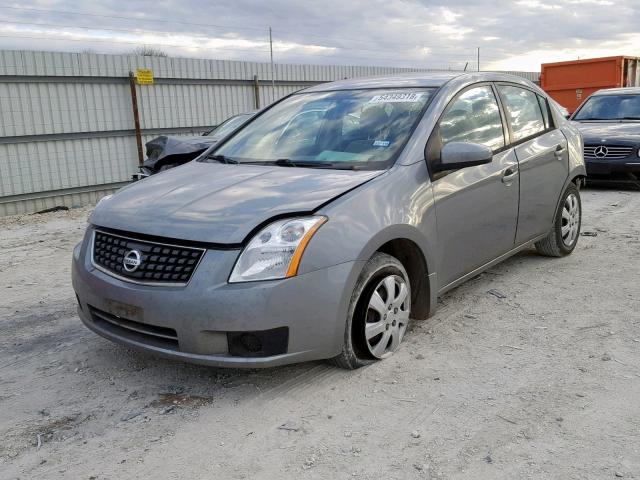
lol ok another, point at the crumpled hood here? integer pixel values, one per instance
(219, 203)
(163, 149)
(163, 145)
(595, 132)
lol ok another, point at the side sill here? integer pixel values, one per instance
(490, 264)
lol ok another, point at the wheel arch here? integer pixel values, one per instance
(408, 245)
(577, 176)
(579, 179)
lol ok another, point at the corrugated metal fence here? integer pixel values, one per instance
(67, 131)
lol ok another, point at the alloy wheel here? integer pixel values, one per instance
(570, 220)
(387, 316)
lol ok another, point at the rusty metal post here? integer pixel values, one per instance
(136, 116)
(256, 92)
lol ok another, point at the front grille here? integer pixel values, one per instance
(607, 151)
(141, 332)
(157, 262)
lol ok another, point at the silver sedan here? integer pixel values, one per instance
(332, 217)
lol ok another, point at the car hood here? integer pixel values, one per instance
(596, 132)
(218, 203)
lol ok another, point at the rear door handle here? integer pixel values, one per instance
(509, 174)
(559, 151)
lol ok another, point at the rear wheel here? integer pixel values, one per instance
(378, 313)
(562, 239)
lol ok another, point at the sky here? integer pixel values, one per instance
(439, 34)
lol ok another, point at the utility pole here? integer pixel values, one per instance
(256, 92)
(478, 58)
(136, 117)
(273, 78)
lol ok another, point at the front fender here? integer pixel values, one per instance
(396, 205)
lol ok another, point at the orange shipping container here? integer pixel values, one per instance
(570, 83)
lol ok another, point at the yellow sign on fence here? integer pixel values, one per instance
(144, 76)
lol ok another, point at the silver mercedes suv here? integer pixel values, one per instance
(319, 228)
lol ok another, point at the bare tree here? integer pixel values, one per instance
(146, 51)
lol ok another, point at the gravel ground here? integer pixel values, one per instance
(543, 383)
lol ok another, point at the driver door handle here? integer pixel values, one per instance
(509, 174)
(559, 151)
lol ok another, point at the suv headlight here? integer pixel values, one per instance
(275, 251)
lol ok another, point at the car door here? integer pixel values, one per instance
(542, 153)
(476, 207)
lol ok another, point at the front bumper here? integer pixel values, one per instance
(620, 167)
(312, 307)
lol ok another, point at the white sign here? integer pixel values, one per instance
(397, 97)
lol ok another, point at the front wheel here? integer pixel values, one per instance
(562, 239)
(378, 313)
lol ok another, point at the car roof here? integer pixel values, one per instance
(416, 79)
(618, 91)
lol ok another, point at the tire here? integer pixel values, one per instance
(375, 313)
(563, 237)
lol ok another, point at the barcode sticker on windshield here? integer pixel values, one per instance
(396, 97)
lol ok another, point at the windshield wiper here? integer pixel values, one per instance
(630, 118)
(286, 162)
(222, 159)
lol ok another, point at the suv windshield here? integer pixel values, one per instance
(610, 107)
(361, 129)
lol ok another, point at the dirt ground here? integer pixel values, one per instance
(543, 383)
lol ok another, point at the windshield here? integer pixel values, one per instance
(361, 129)
(610, 107)
(228, 126)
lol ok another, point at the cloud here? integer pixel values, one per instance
(422, 33)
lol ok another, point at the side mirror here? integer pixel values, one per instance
(456, 155)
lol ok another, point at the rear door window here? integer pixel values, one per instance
(474, 116)
(523, 111)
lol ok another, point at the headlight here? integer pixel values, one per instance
(276, 250)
